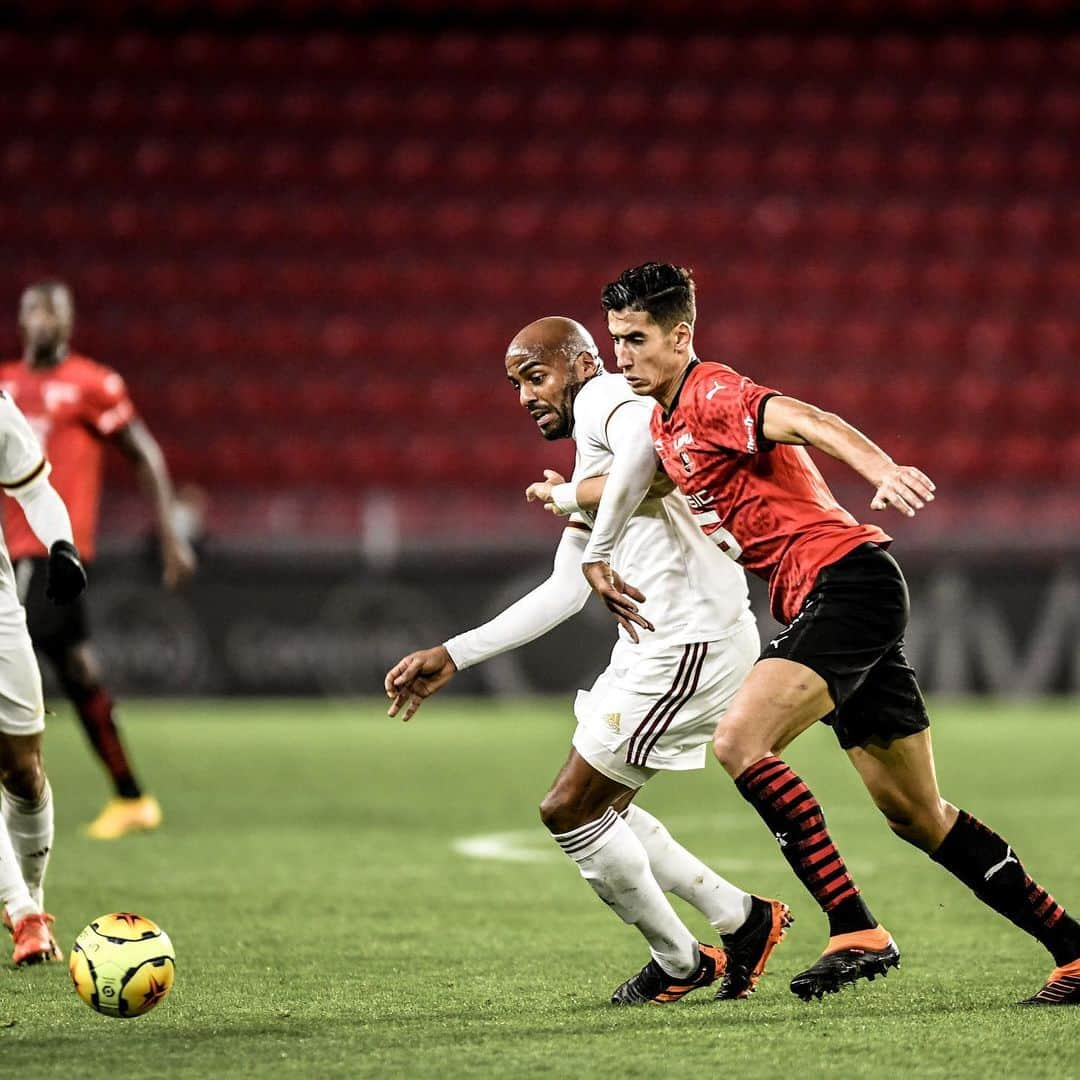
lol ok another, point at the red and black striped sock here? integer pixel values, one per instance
(795, 818)
(95, 709)
(986, 864)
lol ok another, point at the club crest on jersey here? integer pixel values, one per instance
(612, 719)
(687, 463)
(751, 434)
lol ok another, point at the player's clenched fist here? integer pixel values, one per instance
(905, 488)
(416, 677)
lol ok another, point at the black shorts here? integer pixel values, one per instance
(54, 628)
(850, 630)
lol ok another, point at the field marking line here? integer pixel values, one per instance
(534, 846)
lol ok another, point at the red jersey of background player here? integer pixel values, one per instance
(72, 407)
(764, 503)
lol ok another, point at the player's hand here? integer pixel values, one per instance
(416, 677)
(178, 561)
(541, 491)
(619, 596)
(905, 488)
(66, 576)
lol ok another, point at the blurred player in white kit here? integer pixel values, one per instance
(26, 821)
(655, 706)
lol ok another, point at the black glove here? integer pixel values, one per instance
(67, 578)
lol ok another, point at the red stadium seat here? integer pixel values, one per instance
(326, 239)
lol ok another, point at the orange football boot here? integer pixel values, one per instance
(848, 958)
(652, 985)
(1062, 988)
(34, 941)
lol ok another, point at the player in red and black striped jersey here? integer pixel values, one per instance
(76, 407)
(737, 452)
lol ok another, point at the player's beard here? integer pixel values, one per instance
(558, 431)
(563, 423)
(46, 351)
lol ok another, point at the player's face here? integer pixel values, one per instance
(44, 321)
(546, 386)
(648, 357)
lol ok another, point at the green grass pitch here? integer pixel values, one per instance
(326, 925)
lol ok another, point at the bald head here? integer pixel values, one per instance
(547, 363)
(551, 337)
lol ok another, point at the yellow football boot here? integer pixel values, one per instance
(123, 816)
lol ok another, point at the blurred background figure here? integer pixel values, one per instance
(75, 407)
(305, 234)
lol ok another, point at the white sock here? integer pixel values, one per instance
(612, 860)
(14, 895)
(30, 826)
(685, 875)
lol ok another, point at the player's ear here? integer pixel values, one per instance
(682, 337)
(589, 364)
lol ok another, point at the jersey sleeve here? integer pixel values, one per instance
(107, 406)
(22, 461)
(729, 410)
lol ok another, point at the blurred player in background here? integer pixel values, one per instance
(26, 820)
(737, 450)
(76, 406)
(654, 707)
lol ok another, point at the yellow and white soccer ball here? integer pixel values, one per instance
(122, 965)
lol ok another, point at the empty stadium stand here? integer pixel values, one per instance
(307, 250)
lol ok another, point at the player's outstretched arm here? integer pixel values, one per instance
(137, 443)
(417, 676)
(414, 678)
(788, 420)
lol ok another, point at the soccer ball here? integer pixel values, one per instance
(122, 965)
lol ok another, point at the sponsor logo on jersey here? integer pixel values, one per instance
(751, 434)
(685, 439)
(713, 392)
(700, 499)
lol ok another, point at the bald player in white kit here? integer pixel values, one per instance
(26, 823)
(656, 705)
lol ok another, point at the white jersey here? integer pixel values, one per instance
(22, 463)
(694, 592)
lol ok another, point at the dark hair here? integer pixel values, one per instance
(665, 291)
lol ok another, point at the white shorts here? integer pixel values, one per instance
(22, 705)
(657, 710)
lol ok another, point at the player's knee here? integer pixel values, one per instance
(735, 748)
(923, 825)
(561, 811)
(25, 777)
